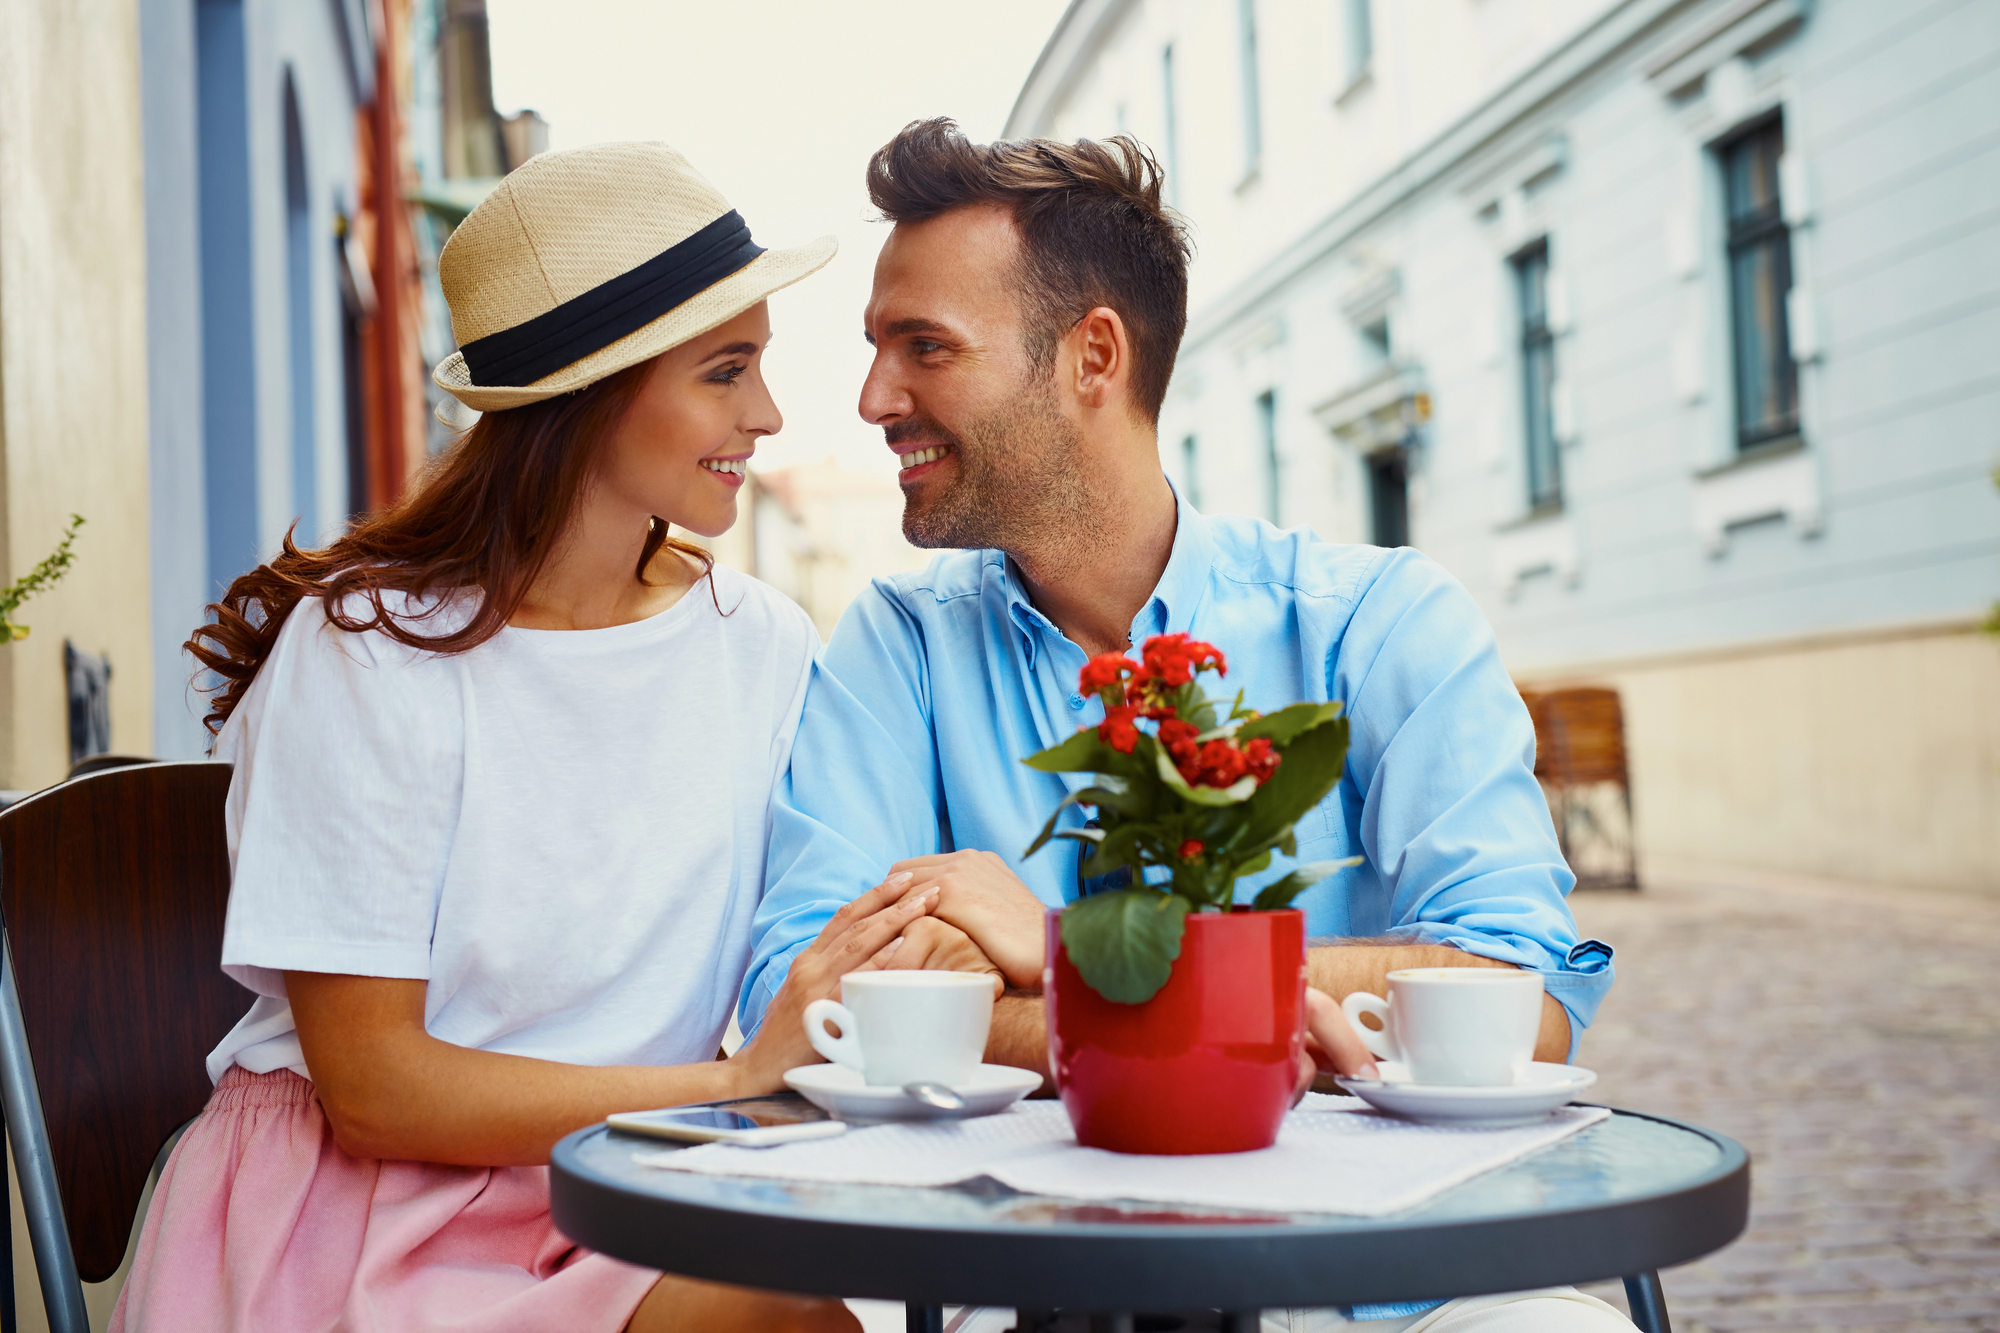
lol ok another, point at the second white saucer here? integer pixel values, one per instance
(1541, 1090)
(845, 1095)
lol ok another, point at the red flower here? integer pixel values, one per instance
(1103, 672)
(1220, 764)
(1261, 759)
(1173, 659)
(1190, 849)
(1178, 737)
(1117, 730)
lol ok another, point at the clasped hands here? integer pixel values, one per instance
(982, 918)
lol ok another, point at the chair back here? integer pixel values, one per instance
(1579, 736)
(113, 890)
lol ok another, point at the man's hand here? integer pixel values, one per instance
(1332, 1046)
(978, 894)
(936, 946)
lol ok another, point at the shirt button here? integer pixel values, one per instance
(1076, 701)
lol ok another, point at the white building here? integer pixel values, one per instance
(1671, 327)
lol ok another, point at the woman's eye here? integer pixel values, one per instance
(728, 375)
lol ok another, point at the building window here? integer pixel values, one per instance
(1173, 136)
(1389, 496)
(1253, 117)
(1538, 377)
(1191, 471)
(301, 242)
(1374, 343)
(1760, 277)
(1360, 38)
(1267, 432)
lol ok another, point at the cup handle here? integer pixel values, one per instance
(842, 1050)
(1355, 1005)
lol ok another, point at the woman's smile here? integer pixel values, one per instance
(730, 471)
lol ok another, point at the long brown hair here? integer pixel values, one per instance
(488, 515)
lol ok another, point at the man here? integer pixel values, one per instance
(1025, 316)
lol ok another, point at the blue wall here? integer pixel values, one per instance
(228, 312)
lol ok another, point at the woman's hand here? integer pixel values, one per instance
(858, 932)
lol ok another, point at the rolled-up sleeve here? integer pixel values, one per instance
(861, 793)
(1453, 820)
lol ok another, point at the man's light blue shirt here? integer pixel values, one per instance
(938, 683)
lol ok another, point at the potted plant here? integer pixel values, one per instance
(1176, 1016)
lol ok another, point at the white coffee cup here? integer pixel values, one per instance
(906, 1027)
(1457, 1026)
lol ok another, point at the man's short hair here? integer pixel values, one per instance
(1093, 232)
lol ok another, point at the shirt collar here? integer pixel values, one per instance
(1169, 610)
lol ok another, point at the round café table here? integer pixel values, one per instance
(1624, 1198)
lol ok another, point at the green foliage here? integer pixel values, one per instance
(1279, 893)
(1151, 811)
(39, 579)
(1125, 942)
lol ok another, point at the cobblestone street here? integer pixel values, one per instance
(1850, 1039)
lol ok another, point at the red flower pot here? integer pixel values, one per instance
(1209, 1064)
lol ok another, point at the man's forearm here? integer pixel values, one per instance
(1365, 965)
(1020, 1036)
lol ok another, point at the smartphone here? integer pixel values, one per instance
(723, 1123)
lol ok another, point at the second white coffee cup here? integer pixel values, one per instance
(1456, 1026)
(898, 1028)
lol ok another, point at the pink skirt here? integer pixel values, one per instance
(261, 1223)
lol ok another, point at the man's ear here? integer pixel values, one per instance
(1102, 356)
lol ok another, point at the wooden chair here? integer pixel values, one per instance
(113, 887)
(1580, 760)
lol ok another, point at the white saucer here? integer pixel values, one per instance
(846, 1096)
(1541, 1090)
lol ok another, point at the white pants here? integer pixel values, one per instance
(1550, 1310)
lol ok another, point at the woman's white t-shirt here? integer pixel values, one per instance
(561, 833)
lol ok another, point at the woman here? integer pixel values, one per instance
(504, 756)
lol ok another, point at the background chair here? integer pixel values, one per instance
(113, 888)
(1580, 760)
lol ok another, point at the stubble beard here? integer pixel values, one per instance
(1019, 483)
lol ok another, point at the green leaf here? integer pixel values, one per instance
(1081, 753)
(1112, 793)
(1118, 847)
(1255, 865)
(1279, 893)
(1232, 795)
(1285, 725)
(1311, 768)
(1125, 942)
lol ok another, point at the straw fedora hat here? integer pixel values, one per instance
(584, 262)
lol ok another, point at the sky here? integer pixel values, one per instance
(779, 103)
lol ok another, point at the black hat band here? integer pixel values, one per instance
(607, 312)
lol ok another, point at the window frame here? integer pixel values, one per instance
(1358, 19)
(1748, 232)
(1535, 346)
(1252, 89)
(1267, 427)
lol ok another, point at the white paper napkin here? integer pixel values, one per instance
(1333, 1155)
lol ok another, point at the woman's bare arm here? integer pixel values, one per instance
(391, 1090)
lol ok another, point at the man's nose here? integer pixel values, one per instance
(882, 399)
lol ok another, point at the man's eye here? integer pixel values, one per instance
(924, 347)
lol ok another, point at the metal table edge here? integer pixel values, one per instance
(572, 1186)
(1735, 1159)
